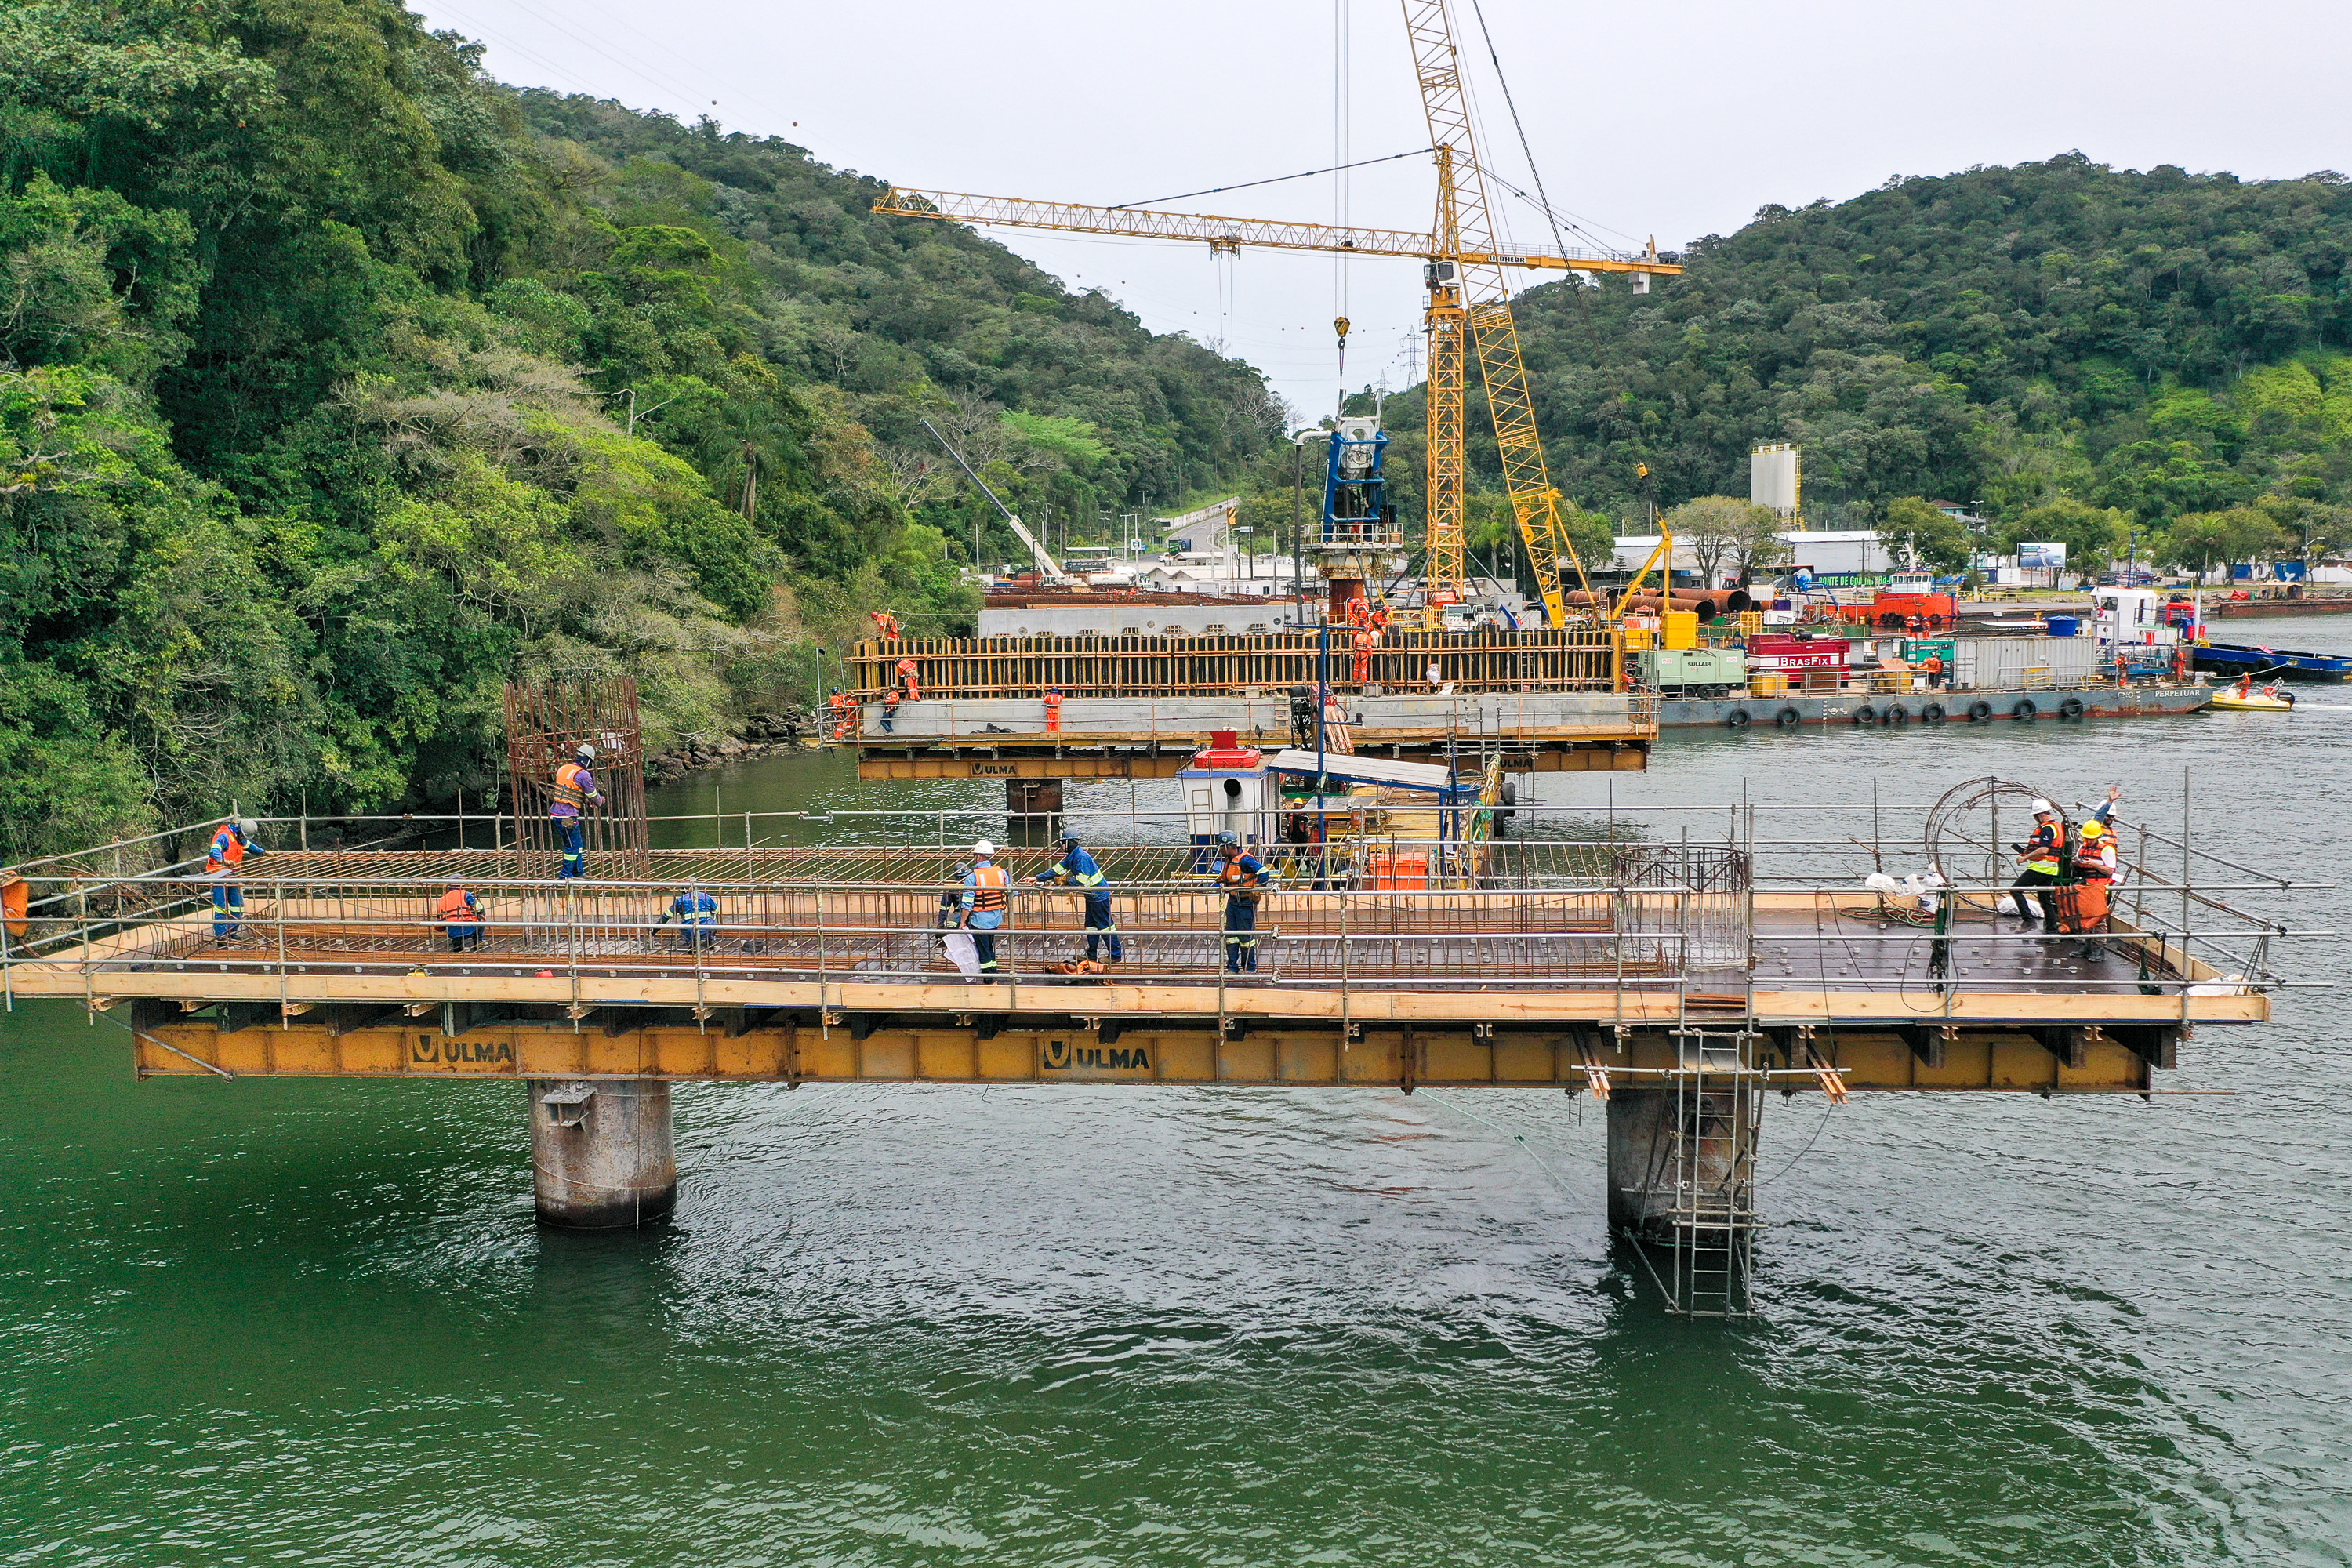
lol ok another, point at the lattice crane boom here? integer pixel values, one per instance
(1474, 292)
(1146, 223)
(1469, 305)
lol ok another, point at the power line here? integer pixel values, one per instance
(1247, 185)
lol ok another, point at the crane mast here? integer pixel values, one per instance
(1469, 308)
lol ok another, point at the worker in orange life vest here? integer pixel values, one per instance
(906, 668)
(461, 916)
(987, 901)
(885, 624)
(575, 792)
(1363, 656)
(15, 901)
(841, 714)
(226, 854)
(1053, 710)
(889, 709)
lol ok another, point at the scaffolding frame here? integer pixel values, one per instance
(547, 721)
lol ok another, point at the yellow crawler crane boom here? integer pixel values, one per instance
(1465, 281)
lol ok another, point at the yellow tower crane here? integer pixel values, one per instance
(1469, 306)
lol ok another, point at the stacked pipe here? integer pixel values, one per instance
(1720, 602)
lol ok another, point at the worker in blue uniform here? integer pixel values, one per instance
(1079, 869)
(1243, 876)
(697, 914)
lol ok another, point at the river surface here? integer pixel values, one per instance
(313, 1322)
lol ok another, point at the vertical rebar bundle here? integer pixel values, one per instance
(547, 720)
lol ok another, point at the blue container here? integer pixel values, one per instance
(2065, 625)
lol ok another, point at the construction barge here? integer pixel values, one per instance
(1652, 966)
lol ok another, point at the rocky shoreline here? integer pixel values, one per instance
(759, 735)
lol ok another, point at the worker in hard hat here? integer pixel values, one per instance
(223, 860)
(575, 792)
(987, 899)
(906, 669)
(885, 624)
(842, 712)
(1053, 710)
(1077, 869)
(460, 915)
(2039, 857)
(1243, 876)
(2087, 898)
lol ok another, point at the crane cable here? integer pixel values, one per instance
(1543, 201)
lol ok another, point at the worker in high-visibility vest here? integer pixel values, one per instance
(1077, 869)
(223, 857)
(460, 913)
(1053, 710)
(1363, 658)
(885, 624)
(987, 901)
(2040, 857)
(906, 670)
(890, 701)
(841, 714)
(575, 792)
(697, 914)
(1241, 875)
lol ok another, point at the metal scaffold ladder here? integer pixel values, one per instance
(1718, 1105)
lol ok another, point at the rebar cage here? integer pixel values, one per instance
(547, 722)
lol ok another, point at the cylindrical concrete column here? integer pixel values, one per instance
(1032, 809)
(1641, 1159)
(1683, 1150)
(602, 1152)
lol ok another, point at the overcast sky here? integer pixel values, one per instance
(1673, 119)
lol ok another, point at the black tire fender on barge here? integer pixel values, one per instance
(1788, 718)
(2071, 709)
(2026, 711)
(1896, 714)
(1865, 714)
(1979, 712)
(1737, 718)
(1932, 714)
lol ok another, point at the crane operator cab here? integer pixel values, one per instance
(1226, 790)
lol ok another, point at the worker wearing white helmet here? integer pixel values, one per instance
(987, 899)
(2039, 857)
(223, 860)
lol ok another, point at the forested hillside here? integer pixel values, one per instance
(339, 382)
(2170, 352)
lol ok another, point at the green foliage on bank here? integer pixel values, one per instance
(339, 384)
(2164, 349)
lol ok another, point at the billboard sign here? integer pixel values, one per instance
(2047, 557)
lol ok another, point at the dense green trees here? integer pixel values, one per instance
(2162, 345)
(337, 384)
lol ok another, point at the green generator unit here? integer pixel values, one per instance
(1694, 671)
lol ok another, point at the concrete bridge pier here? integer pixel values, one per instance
(1682, 1183)
(1033, 810)
(602, 1152)
(1679, 1157)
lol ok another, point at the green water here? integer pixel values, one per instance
(313, 1322)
